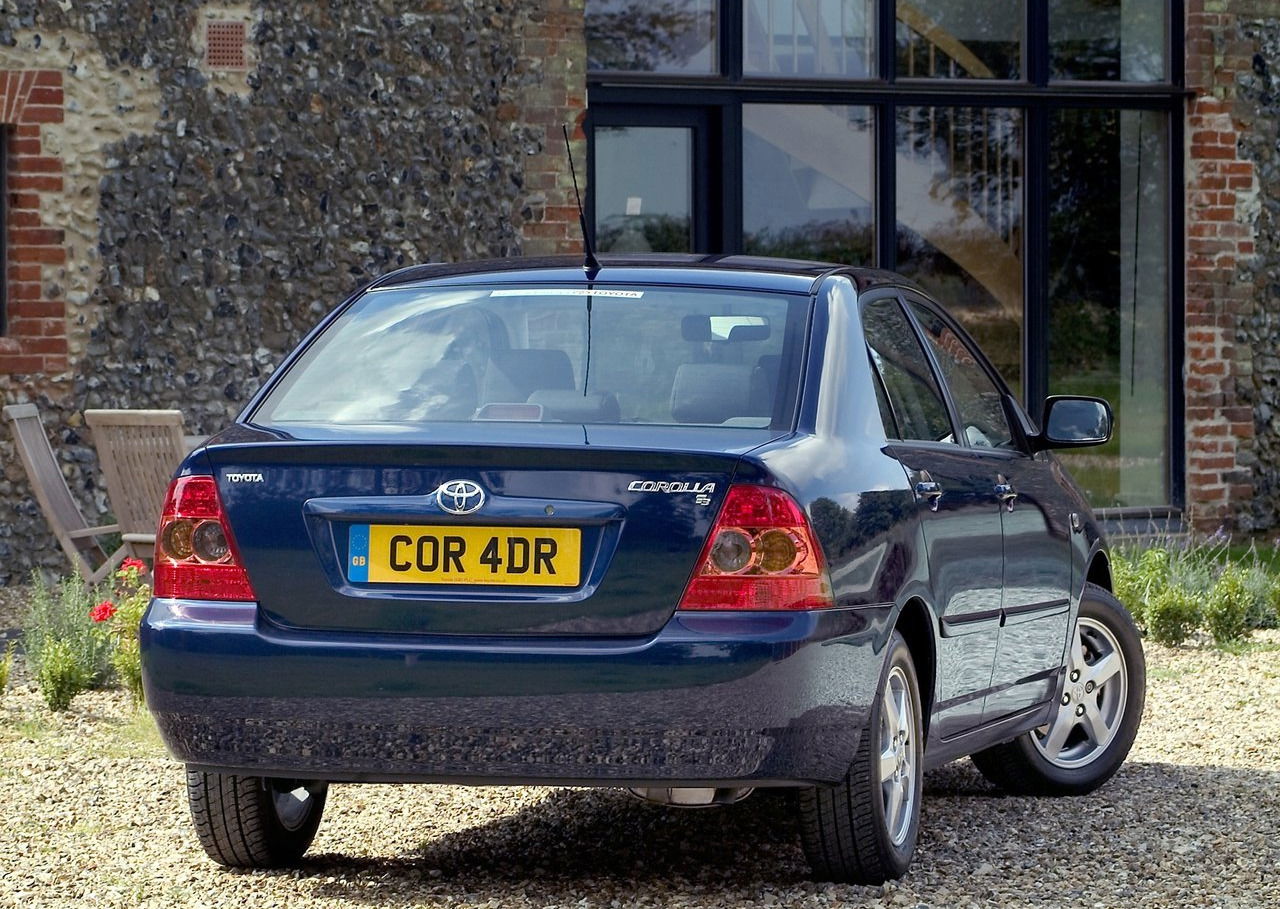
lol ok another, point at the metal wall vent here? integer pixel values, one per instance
(224, 45)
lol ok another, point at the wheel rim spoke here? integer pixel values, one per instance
(1095, 726)
(1058, 732)
(1105, 669)
(893, 807)
(888, 764)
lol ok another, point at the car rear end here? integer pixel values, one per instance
(503, 531)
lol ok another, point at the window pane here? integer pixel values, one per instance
(959, 198)
(654, 36)
(1108, 39)
(1108, 293)
(960, 39)
(978, 400)
(808, 176)
(809, 38)
(908, 380)
(644, 188)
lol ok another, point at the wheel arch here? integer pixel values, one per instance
(915, 624)
(1099, 571)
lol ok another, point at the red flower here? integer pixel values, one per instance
(132, 564)
(103, 611)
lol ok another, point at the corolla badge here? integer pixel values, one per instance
(460, 496)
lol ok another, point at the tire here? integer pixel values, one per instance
(1097, 717)
(843, 829)
(253, 821)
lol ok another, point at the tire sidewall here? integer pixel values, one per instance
(1101, 606)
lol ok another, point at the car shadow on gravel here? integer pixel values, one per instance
(574, 840)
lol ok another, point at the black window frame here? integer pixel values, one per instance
(611, 94)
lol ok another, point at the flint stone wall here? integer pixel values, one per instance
(212, 219)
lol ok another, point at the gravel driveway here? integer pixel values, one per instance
(93, 814)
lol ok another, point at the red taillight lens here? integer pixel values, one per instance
(196, 555)
(761, 554)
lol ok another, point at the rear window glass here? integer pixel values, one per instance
(614, 355)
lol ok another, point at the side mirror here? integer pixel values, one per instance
(1072, 421)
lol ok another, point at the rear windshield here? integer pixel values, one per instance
(612, 355)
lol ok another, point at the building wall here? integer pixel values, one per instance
(1233, 264)
(175, 230)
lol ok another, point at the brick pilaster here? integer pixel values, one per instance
(35, 339)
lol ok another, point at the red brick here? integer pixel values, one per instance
(21, 363)
(24, 291)
(41, 309)
(24, 272)
(41, 114)
(45, 345)
(45, 236)
(1202, 151)
(25, 146)
(45, 95)
(24, 201)
(31, 131)
(38, 182)
(24, 218)
(35, 164)
(49, 77)
(49, 255)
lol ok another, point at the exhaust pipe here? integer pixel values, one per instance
(692, 798)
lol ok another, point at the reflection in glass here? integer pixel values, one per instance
(1108, 292)
(959, 39)
(653, 36)
(808, 182)
(959, 201)
(644, 188)
(1107, 39)
(809, 38)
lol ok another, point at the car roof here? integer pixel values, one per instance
(746, 272)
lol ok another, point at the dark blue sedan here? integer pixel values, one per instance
(688, 526)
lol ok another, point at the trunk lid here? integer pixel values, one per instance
(582, 530)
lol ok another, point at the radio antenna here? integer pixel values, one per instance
(590, 264)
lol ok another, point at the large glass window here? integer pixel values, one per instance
(1108, 285)
(813, 38)
(959, 39)
(808, 182)
(655, 36)
(1108, 39)
(959, 208)
(644, 188)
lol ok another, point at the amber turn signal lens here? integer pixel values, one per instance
(777, 551)
(176, 540)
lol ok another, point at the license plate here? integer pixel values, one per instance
(429, 554)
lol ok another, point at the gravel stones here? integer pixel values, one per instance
(94, 814)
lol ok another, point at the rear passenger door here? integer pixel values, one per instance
(959, 513)
(1034, 604)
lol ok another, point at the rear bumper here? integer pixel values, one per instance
(716, 698)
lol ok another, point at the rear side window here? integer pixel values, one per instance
(916, 405)
(614, 355)
(978, 400)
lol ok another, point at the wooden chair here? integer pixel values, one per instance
(77, 538)
(138, 451)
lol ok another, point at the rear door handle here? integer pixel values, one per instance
(929, 491)
(1005, 492)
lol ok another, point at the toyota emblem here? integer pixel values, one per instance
(460, 496)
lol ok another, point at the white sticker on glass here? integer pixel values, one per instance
(565, 292)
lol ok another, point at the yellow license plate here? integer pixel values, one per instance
(430, 554)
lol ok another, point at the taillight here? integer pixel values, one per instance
(761, 554)
(195, 555)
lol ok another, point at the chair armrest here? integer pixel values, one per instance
(94, 531)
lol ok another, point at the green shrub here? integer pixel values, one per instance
(1264, 594)
(6, 665)
(61, 613)
(60, 674)
(1227, 609)
(1126, 584)
(1172, 614)
(120, 621)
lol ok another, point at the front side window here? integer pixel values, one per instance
(916, 405)
(654, 355)
(978, 400)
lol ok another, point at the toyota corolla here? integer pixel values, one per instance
(688, 527)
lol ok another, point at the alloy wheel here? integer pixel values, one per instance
(897, 756)
(1091, 709)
